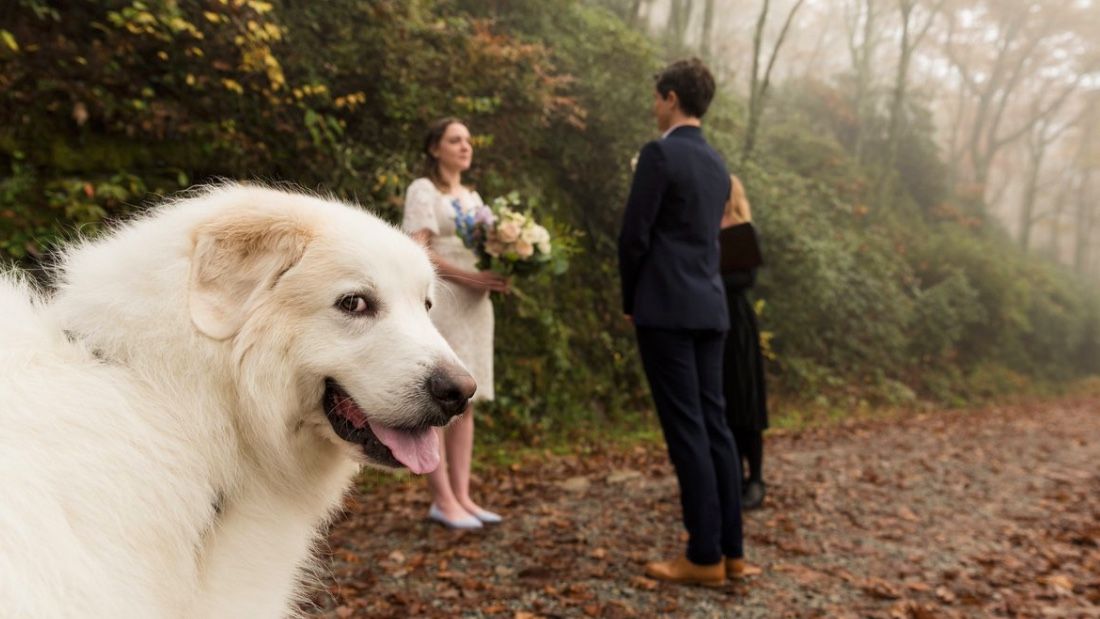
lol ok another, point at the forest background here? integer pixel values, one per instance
(923, 173)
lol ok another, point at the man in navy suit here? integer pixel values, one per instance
(672, 292)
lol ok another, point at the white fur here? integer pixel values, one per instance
(158, 382)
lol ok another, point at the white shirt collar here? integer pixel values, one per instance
(675, 127)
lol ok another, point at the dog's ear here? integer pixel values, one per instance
(236, 259)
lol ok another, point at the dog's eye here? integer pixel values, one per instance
(428, 304)
(355, 304)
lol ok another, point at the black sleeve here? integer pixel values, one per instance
(646, 192)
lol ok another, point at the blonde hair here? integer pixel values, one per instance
(737, 207)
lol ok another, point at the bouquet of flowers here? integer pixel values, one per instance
(505, 239)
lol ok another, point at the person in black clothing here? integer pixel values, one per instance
(743, 362)
(672, 292)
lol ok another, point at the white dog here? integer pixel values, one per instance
(179, 421)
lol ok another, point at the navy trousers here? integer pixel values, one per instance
(684, 369)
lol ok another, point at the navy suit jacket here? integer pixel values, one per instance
(668, 245)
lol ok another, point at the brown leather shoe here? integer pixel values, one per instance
(682, 571)
(739, 568)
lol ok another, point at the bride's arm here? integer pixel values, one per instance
(477, 280)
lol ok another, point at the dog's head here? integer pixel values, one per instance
(326, 309)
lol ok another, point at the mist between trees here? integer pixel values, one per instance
(923, 173)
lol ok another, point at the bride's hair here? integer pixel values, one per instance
(436, 130)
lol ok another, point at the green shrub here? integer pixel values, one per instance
(872, 290)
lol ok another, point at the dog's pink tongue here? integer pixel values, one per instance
(419, 451)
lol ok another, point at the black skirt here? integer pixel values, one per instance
(743, 362)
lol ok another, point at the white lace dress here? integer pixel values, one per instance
(463, 315)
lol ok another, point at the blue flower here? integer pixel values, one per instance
(465, 224)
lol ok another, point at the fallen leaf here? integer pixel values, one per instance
(576, 484)
(907, 514)
(537, 572)
(878, 588)
(618, 477)
(1059, 582)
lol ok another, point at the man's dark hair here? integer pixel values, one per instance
(692, 82)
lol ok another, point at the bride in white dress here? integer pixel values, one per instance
(462, 312)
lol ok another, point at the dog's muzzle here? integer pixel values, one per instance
(446, 394)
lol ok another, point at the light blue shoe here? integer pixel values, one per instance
(468, 522)
(487, 516)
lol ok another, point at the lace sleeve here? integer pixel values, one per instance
(420, 203)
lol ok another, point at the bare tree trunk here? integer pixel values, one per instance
(1057, 215)
(955, 151)
(754, 81)
(1036, 151)
(910, 41)
(897, 103)
(759, 85)
(1000, 79)
(1013, 65)
(994, 142)
(1085, 211)
(636, 12)
(1085, 220)
(862, 41)
(706, 46)
(679, 19)
(1039, 140)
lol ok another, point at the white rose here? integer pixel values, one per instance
(541, 235)
(530, 235)
(544, 247)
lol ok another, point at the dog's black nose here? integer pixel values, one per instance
(451, 387)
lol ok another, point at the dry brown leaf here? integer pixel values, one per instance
(945, 594)
(878, 588)
(1059, 582)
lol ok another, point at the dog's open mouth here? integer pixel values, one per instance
(417, 449)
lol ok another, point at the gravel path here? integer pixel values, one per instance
(990, 513)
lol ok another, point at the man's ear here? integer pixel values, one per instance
(673, 99)
(235, 260)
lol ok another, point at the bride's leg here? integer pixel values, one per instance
(439, 484)
(460, 449)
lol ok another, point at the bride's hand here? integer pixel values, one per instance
(489, 281)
